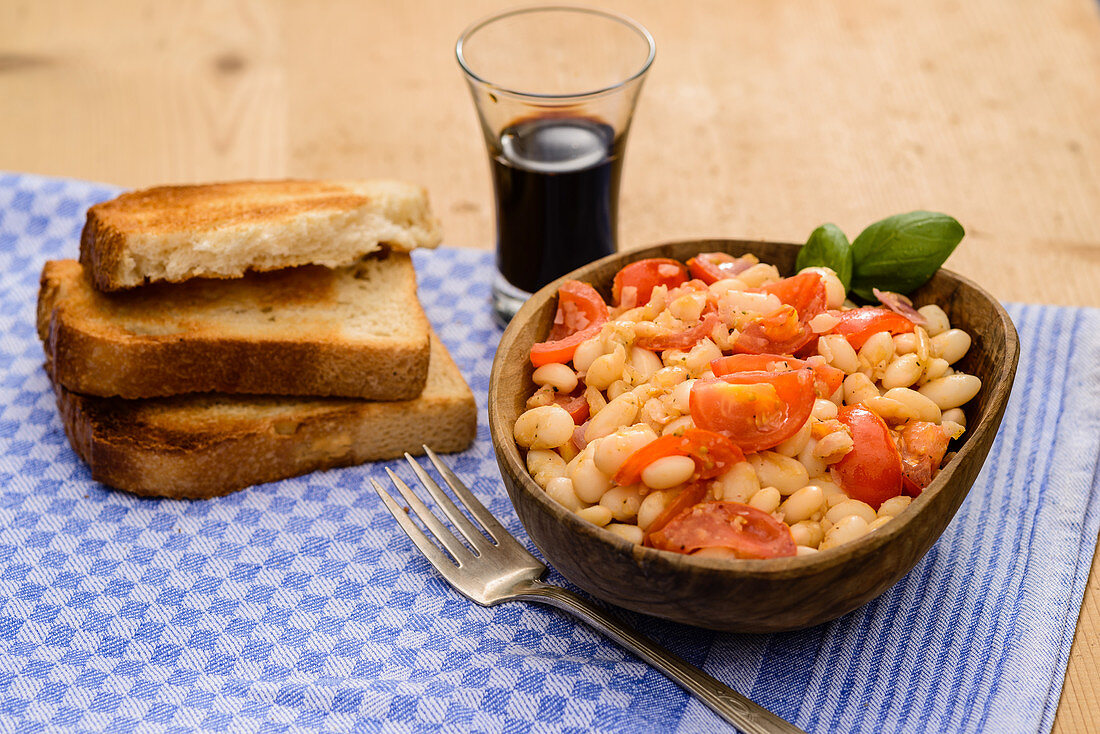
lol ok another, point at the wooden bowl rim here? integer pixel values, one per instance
(509, 459)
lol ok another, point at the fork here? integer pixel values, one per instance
(498, 569)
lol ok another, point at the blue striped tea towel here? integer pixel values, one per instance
(300, 606)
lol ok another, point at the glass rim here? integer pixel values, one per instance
(617, 17)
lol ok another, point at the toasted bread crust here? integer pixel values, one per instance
(224, 230)
(99, 344)
(195, 447)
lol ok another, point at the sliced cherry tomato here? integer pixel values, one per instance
(922, 446)
(826, 377)
(645, 275)
(860, 324)
(871, 472)
(787, 329)
(755, 410)
(714, 454)
(576, 404)
(745, 530)
(580, 316)
(691, 494)
(680, 340)
(711, 267)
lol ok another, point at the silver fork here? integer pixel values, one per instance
(502, 570)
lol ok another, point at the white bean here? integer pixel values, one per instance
(737, 484)
(858, 388)
(807, 533)
(545, 427)
(630, 533)
(689, 306)
(589, 483)
(668, 471)
(905, 343)
(678, 426)
(557, 376)
(951, 345)
(802, 504)
(606, 368)
(766, 500)
(781, 472)
(951, 391)
(700, 357)
(894, 506)
(619, 412)
(596, 514)
(851, 507)
(877, 352)
(834, 446)
(923, 407)
(615, 449)
(645, 362)
(653, 504)
(903, 371)
(668, 377)
(815, 466)
(681, 396)
(878, 523)
(544, 465)
(758, 275)
(890, 410)
(794, 445)
(936, 318)
(560, 489)
(623, 502)
(955, 415)
(847, 529)
(838, 352)
(824, 410)
(804, 550)
(937, 367)
(586, 353)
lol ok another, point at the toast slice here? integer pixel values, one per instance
(357, 331)
(224, 230)
(200, 446)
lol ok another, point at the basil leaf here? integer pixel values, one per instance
(902, 252)
(828, 247)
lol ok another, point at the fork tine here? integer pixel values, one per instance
(483, 516)
(445, 537)
(472, 533)
(439, 560)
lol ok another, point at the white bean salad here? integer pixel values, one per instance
(717, 408)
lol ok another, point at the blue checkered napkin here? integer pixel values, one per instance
(300, 606)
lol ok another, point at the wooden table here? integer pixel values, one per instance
(759, 119)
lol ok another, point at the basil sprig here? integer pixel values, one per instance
(828, 246)
(900, 253)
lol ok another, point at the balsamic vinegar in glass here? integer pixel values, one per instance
(557, 192)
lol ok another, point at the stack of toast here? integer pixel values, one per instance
(218, 336)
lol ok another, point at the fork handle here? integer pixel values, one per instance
(723, 700)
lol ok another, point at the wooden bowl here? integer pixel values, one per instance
(749, 595)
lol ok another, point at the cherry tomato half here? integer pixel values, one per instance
(684, 340)
(755, 410)
(691, 494)
(713, 453)
(711, 267)
(787, 329)
(580, 316)
(922, 446)
(745, 530)
(826, 377)
(645, 275)
(871, 472)
(860, 324)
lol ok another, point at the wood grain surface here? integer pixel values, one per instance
(759, 120)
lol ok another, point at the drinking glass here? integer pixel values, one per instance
(555, 90)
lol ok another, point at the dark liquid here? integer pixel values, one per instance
(557, 188)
